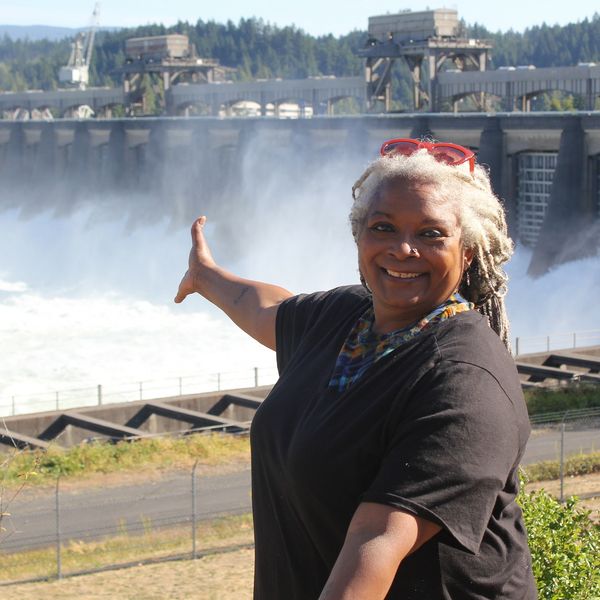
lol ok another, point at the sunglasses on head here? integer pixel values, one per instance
(450, 154)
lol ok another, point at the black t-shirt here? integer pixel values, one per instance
(435, 428)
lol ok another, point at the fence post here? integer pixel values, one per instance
(255, 376)
(141, 390)
(181, 386)
(13, 406)
(218, 382)
(562, 459)
(99, 394)
(194, 510)
(58, 540)
(517, 346)
(57, 401)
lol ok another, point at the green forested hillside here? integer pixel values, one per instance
(260, 50)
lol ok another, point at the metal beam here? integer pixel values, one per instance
(81, 421)
(193, 417)
(21, 441)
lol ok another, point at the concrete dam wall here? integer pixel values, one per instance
(546, 167)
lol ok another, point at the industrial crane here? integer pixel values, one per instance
(77, 70)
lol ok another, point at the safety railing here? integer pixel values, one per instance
(556, 341)
(111, 393)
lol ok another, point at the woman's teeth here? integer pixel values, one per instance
(402, 275)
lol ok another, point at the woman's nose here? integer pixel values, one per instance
(403, 248)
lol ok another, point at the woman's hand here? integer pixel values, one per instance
(251, 305)
(199, 262)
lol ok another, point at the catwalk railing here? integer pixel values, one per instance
(556, 341)
(110, 393)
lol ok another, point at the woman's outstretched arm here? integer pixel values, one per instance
(251, 305)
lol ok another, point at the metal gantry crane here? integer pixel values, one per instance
(77, 71)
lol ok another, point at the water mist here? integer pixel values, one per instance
(88, 277)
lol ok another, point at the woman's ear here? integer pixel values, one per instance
(467, 258)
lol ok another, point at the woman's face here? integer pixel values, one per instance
(410, 253)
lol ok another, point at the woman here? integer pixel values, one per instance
(384, 461)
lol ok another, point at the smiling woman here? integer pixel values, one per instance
(385, 459)
(410, 253)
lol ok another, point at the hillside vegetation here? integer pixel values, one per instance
(260, 50)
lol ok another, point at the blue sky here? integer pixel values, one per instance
(314, 16)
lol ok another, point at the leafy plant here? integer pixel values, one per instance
(570, 397)
(565, 547)
(578, 464)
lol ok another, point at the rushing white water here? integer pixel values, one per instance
(86, 294)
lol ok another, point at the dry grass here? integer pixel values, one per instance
(139, 457)
(226, 576)
(82, 556)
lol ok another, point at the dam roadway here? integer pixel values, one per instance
(95, 511)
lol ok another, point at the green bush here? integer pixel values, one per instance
(565, 547)
(572, 397)
(578, 464)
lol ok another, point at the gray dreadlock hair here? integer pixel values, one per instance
(481, 217)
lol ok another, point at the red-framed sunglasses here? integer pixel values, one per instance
(450, 154)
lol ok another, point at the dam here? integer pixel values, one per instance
(545, 166)
(95, 216)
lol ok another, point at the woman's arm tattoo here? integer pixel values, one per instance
(242, 294)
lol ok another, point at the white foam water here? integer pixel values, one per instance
(86, 299)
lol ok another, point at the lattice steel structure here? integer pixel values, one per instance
(173, 58)
(535, 175)
(426, 40)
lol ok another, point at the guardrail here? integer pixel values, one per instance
(225, 380)
(556, 341)
(138, 390)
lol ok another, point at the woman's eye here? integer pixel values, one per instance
(381, 227)
(433, 233)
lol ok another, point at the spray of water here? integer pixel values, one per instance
(87, 281)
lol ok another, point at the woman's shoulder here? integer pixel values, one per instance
(316, 315)
(468, 335)
(468, 339)
(337, 299)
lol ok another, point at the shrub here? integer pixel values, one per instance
(578, 464)
(565, 547)
(571, 397)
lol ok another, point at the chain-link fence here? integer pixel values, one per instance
(70, 529)
(83, 527)
(567, 439)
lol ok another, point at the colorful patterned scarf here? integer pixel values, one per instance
(363, 347)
